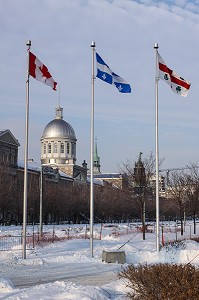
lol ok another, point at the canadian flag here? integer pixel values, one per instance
(40, 72)
(177, 83)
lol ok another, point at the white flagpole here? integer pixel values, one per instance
(26, 157)
(157, 152)
(91, 152)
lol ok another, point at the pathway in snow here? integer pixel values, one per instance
(83, 274)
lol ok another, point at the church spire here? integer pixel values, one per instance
(96, 163)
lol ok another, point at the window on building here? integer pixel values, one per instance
(49, 148)
(12, 159)
(68, 148)
(55, 147)
(62, 147)
(44, 148)
(73, 149)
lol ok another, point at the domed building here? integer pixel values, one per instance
(58, 147)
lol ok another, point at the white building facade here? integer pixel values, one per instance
(58, 147)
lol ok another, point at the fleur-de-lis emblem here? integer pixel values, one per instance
(119, 87)
(104, 76)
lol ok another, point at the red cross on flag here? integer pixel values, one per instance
(40, 72)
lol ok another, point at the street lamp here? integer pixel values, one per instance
(41, 202)
(140, 187)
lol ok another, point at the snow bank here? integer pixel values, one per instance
(66, 271)
(5, 285)
(60, 290)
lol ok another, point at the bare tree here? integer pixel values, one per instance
(177, 189)
(192, 191)
(139, 182)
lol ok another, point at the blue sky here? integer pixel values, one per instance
(124, 32)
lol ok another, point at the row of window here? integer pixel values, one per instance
(48, 148)
(7, 158)
(8, 155)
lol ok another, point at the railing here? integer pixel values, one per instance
(14, 242)
(8, 242)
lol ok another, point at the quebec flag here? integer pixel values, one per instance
(105, 74)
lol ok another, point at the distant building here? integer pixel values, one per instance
(112, 179)
(161, 184)
(58, 151)
(58, 148)
(8, 148)
(96, 158)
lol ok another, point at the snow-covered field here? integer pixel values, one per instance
(66, 270)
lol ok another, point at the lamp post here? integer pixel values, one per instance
(140, 188)
(41, 203)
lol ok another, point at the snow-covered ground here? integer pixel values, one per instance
(66, 270)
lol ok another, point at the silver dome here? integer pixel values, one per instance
(59, 128)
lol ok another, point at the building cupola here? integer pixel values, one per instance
(58, 142)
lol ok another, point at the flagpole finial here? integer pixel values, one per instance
(156, 46)
(93, 44)
(28, 43)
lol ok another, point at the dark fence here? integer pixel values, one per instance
(14, 242)
(8, 242)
